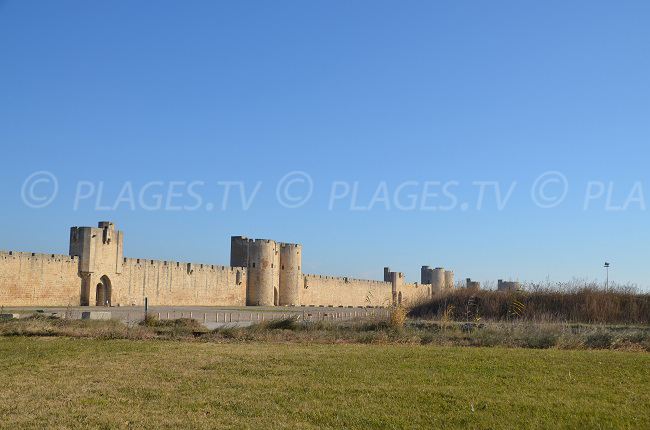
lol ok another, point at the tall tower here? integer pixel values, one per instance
(438, 279)
(274, 270)
(100, 257)
(425, 275)
(449, 280)
(434, 277)
(397, 282)
(262, 260)
(290, 273)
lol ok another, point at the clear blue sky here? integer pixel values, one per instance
(363, 91)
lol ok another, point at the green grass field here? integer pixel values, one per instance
(63, 382)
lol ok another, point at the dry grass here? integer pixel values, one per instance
(41, 325)
(390, 330)
(515, 335)
(582, 305)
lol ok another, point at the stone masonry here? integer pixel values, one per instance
(262, 272)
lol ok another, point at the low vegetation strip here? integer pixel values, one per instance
(579, 305)
(389, 330)
(91, 383)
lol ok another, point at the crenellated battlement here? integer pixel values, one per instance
(251, 240)
(472, 285)
(38, 256)
(289, 245)
(261, 272)
(510, 286)
(344, 279)
(142, 263)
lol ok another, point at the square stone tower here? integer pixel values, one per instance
(100, 260)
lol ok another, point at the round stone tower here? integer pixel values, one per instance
(290, 273)
(449, 280)
(425, 275)
(261, 259)
(438, 279)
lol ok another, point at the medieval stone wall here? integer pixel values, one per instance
(414, 293)
(509, 286)
(168, 283)
(263, 272)
(335, 291)
(30, 279)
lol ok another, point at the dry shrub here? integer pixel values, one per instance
(188, 323)
(583, 305)
(282, 324)
(447, 317)
(397, 316)
(517, 334)
(43, 325)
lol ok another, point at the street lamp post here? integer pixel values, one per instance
(607, 276)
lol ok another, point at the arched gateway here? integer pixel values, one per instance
(103, 292)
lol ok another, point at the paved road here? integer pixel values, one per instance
(215, 316)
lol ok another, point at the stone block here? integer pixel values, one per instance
(9, 316)
(95, 315)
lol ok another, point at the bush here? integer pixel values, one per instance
(490, 338)
(397, 317)
(539, 340)
(599, 340)
(188, 323)
(426, 338)
(283, 324)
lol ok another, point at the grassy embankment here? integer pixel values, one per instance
(393, 330)
(520, 334)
